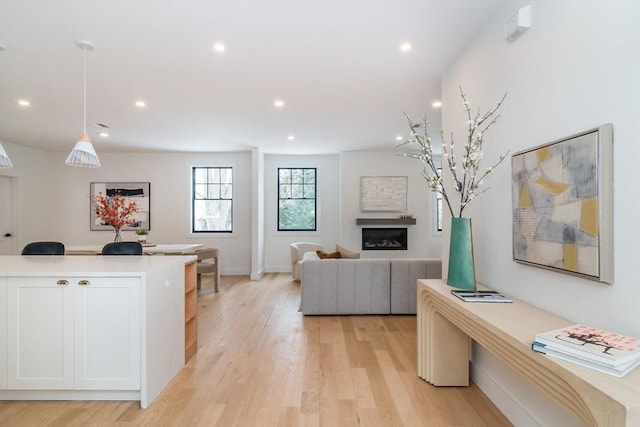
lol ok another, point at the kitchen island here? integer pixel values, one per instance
(94, 328)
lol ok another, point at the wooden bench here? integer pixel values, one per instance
(208, 263)
(446, 324)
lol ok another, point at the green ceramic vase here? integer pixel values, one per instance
(462, 272)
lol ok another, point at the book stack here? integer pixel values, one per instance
(604, 351)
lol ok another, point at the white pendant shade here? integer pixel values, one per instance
(5, 161)
(83, 154)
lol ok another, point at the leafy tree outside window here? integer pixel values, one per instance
(212, 200)
(297, 199)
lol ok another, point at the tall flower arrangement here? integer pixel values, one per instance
(468, 177)
(115, 211)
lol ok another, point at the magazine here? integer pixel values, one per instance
(592, 344)
(619, 371)
(481, 296)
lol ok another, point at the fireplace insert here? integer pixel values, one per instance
(388, 239)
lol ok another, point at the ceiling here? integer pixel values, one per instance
(337, 65)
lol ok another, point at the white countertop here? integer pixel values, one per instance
(113, 265)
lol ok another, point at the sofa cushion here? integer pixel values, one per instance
(346, 253)
(326, 255)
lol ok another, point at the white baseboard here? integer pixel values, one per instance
(500, 397)
(278, 268)
(520, 401)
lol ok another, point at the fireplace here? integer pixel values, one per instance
(387, 239)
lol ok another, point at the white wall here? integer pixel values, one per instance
(423, 241)
(55, 199)
(277, 256)
(257, 214)
(36, 207)
(575, 69)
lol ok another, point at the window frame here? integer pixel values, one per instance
(315, 198)
(193, 200)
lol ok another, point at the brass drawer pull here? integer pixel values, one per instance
(62, 282)
(84, 283)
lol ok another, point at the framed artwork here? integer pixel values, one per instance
(383, 193)
(137, 191)
(562, 196)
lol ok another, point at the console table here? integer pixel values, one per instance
(445, 325)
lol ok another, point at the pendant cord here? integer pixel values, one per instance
(84, 105)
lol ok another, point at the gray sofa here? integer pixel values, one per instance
(363, 286)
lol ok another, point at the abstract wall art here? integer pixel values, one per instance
(137, 191)
(383, 193)
(562, 198)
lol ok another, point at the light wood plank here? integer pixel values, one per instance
(261, 363)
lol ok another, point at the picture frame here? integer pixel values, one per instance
(562, 200)
(140, 192)
(383, 193)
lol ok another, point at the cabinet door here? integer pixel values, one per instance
(107, 333)
(40, 333)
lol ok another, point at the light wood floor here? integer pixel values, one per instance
(261, 363)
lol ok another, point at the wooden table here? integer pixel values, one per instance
(160, 249)
(446, 324)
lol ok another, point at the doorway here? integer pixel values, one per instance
(7, 219)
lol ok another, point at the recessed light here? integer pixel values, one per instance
(24, 103)
(436, 104)
(141, 104)
(399, 138)
(278, 103)
(291, 137)
(218, 47)
(405, 47)
(103, 134)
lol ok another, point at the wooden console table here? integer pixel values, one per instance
(446, 325)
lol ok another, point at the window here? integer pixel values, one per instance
(296, 199)
(212, 200)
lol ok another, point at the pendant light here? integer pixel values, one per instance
(83, 153)
(5, 161)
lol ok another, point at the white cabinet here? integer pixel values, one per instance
(107, 334)
(40, 333)
(79, 333)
